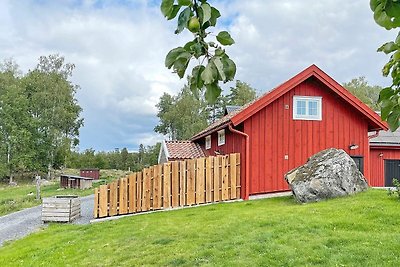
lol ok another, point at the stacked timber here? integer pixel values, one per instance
(61, 208)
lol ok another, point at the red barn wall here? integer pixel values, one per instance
(377, 164)
(274, 134)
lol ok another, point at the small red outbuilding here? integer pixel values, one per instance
(283, 128)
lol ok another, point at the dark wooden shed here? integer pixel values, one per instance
(90, 172)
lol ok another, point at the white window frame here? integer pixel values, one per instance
(307, 100)
(208, 142)
(221, 137)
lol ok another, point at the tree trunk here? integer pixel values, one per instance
(37, 178)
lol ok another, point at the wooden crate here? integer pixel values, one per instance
(61, 208)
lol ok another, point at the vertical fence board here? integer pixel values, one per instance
(96, 203)
(216, 175)
(182, 183)
(132, 192)
(146, 190)
(103, 201)
(151, 189)
(191, 182)
(123, 196)
(209, 164)
(167, 185)
(200, 181)
(224, 174)
(237, 175)
(157, 196)
(175, 183)
(113, 198)
(232, 174)
(139, 185)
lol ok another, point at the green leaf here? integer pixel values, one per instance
(393, 119)
(373, 4)
(167, 7)
(214, 16)
(172, 56)
(213, 91)
(183, 19)
(385, 93)
(220, 67)
(397, 41)
(229, 68)
(174, 12)
(225, 38)
(189, 44)
(392, 8)
(206, 8)
(196, 83)
(210, 73)
(181, 64)
(381, 18)
(388, 47)
(184, 2)
(219, 52)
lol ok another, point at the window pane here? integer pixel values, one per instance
(313, 108)
(301, 107)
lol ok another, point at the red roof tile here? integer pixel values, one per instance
(183, 150)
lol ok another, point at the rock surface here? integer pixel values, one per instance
(328, 174)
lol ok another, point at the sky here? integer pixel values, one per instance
(119, 48)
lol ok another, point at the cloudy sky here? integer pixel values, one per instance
(119, 47)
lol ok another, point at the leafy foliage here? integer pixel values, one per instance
(366, 93)
(396, 190)
(387, 15)
(39, 116)
(214, 64)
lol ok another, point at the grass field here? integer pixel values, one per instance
(14, 198)
(361, 230)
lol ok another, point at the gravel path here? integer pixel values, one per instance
(21, 223)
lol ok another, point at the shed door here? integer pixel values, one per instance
(359, 162)
(392, 170)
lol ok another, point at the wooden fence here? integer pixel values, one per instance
(170, 185)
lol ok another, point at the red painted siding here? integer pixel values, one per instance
(274, 134)
(378, 164)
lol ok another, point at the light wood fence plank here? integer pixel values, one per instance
(182, 183)
(232, 174)
(157, 189)
(103, 201)
(123, 196)
(167, 185)
(209, 173)
(191, 171)
(146, 189)
(139, 186)
(216, 180)
(96, 203)
(238, 188)
(113, 201)
(200, 182)
(132, 193)
(224, 174)
(175, 183)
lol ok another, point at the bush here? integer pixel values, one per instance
(396, 190)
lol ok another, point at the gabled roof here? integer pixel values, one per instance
(386, 138)
(229, 109)
(183, 150)
(236, 117)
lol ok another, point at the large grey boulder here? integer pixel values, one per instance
(329, 173)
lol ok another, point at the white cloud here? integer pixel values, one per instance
(119, 50)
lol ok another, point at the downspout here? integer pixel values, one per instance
(247, 154)
(374, 135)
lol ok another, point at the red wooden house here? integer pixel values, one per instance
(385, 158)
(283, 128)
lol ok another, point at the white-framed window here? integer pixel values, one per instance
(208, 141)
(221, 137)
(307, 108)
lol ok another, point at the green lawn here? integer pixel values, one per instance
(362, 230)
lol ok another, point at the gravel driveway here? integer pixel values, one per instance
(21, 223)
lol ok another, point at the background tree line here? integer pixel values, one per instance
(117, 159)
(39, 116)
